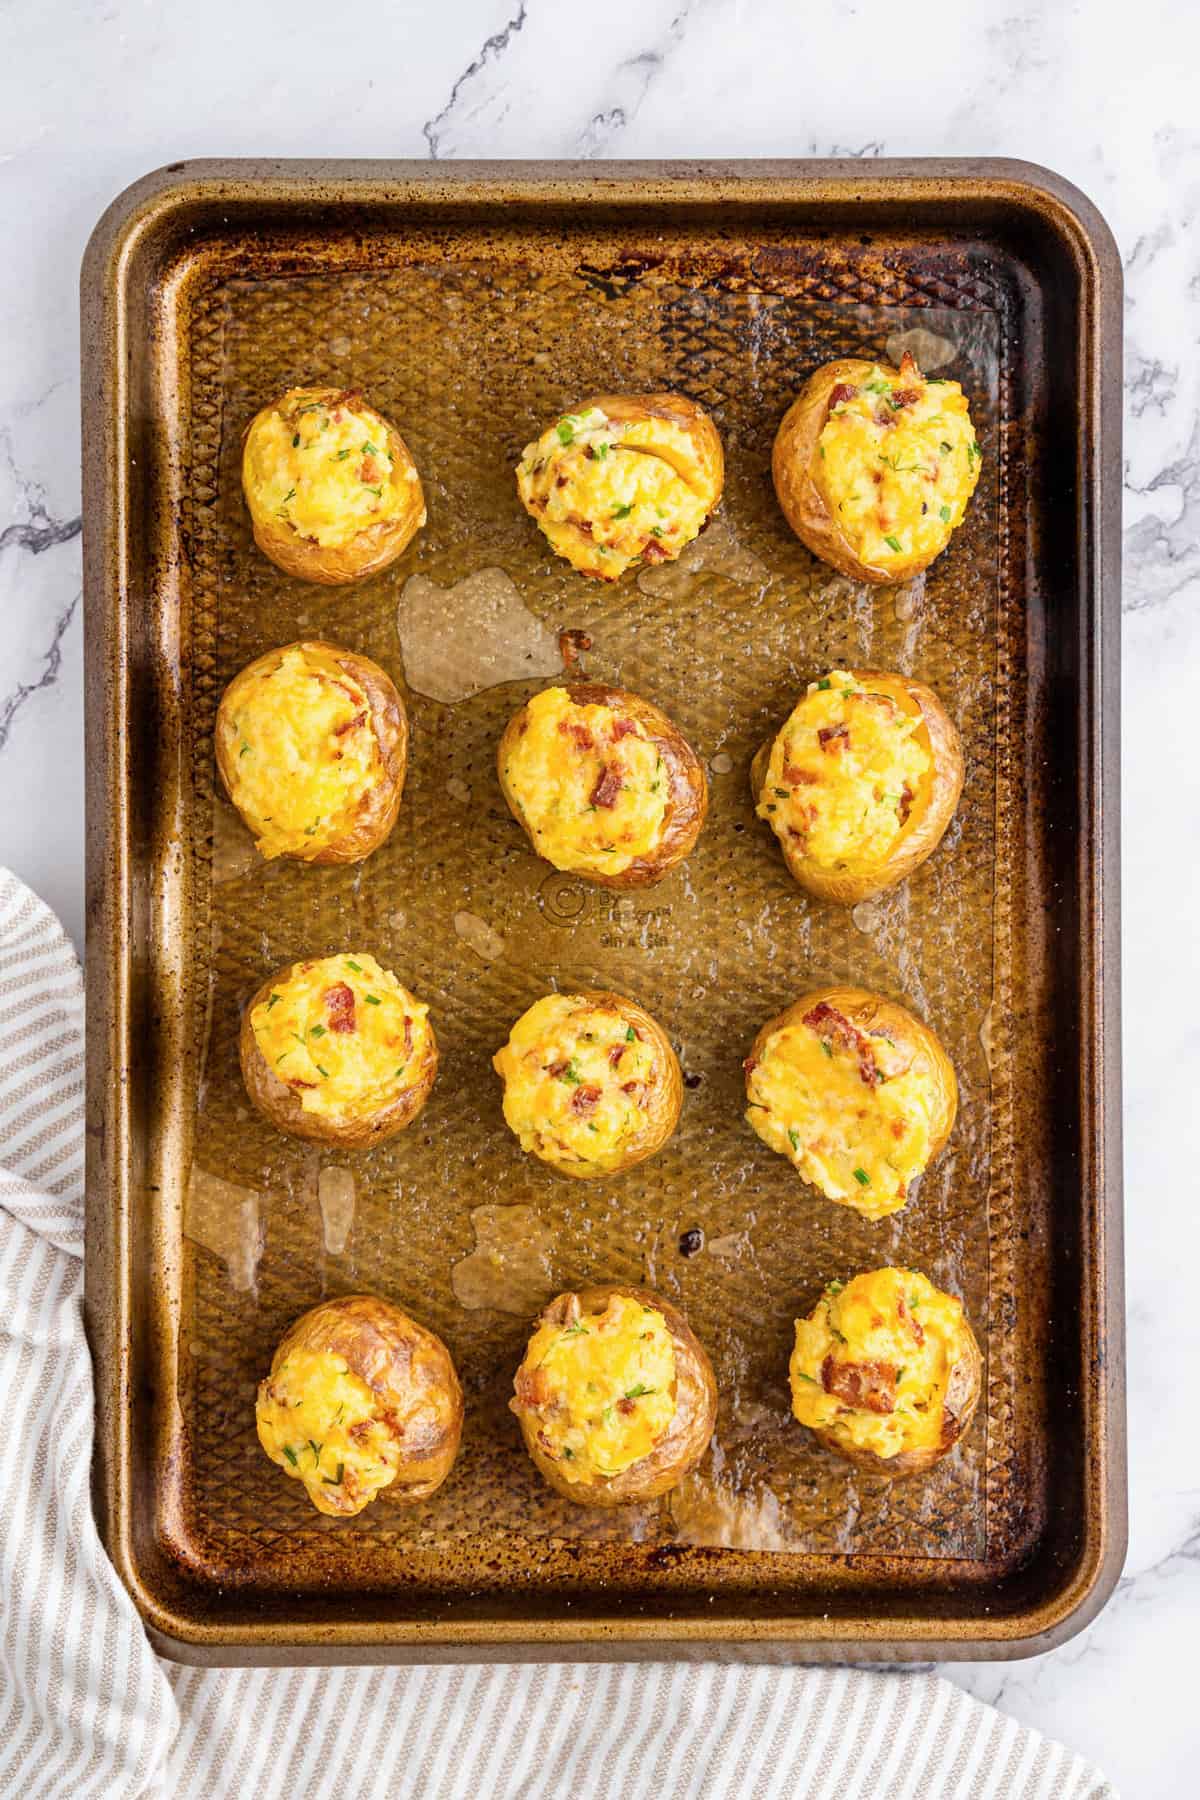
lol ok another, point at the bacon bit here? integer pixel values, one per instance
(877, 477)
(905, 807)
(543, 1438)
(636, 1091)
(294, 1081)
(908, 367)
(749, 1064)
(369, 471)
(625, 1406)
(408, 1035)
(580, 733)
(359, 1432)
(844, 391)
(906, 1318)
(607, 787)
(653, 552)
(584, 1097)
(897, 1128)
(558, 1069)
(905, 396)
(531, 1386)
(570, 645)
(868, 1384)
(885, 418)
(797, 777)
(350, 724)
(583, 526)
(589, 451)
(834, 738)
(339, 1007)
(349, 397)
(615, 1054)
(832, 1027)
(560, 481)
(622, 728)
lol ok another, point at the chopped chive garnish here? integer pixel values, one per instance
(351, 964)
(371, 999)
(892, 543)
(861, 1176)
(622, 512)
(822, 686)
(291, 1455)
(944, 512)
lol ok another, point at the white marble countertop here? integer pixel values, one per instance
(94, 96)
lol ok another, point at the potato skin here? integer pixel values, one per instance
(278, 1104)
(963, 1390)
(394, 1355)
(674, 409)
(333, 565)
(665, 1100)
(875, 1012)
(380, 805)
(800, 498)
(934, 809)
(688, 784)
(687, 1437)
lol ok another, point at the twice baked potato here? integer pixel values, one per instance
(334, 1050)
(591, 1083)
(886, 1371)
(333, 492)
(361, 1400)
(857, 1094)
(625, 479)
(604, 784)
(861, 782)
(312, 749)
(874, 466)
(616, 1398)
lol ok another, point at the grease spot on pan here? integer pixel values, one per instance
(336, 1196)
(715, 552)
(479, 936)
(224, 1218)
(477, 634)
(509, 1268)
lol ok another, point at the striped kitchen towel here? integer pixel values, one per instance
(87, 1709)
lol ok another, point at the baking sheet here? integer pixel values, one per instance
(470, 338)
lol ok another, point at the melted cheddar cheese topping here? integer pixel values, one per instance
(323, 463)
(603, 1388)
(896, 463)
(872, 1363)
(844, 774)
(608, 494)
(322, 1424)
(343, 1034)
(592, 788)
(299, 741)
(577, 1079)
(855, 1114)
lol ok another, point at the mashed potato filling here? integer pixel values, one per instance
(610, 494)
(323, 464)
(844, 774)
(301, 747)
(897, 461)
(577, 1080)
(852, 1112)
(320, 1422)
(343, 1034)
(603, 1387)
(591, 786)
(872, 1363)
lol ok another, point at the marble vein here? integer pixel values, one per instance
(493, 49)
(51, 661)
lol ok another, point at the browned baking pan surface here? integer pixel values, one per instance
(472, 305)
